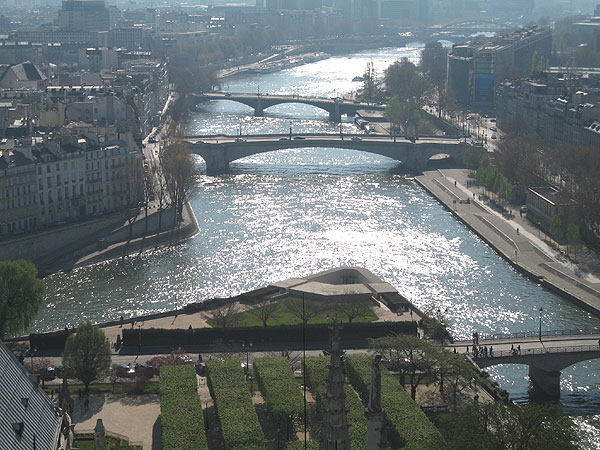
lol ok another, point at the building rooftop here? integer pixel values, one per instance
(28, 418)
(342, 281)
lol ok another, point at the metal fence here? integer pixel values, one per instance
(541, 351)
(534, 334)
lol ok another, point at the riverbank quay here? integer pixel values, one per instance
(513, 238)
(101, 239)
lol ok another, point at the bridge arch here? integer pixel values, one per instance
(335, 107)
(545, 366)
(259, 109)
(413, 155)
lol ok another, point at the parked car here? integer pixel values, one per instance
(493, 128)
(494, 136)
(144, 370)
(124, 371)
(47, 373)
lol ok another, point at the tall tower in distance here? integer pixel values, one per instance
(335, 434)
(83, 15)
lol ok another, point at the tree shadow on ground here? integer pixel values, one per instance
(94, 406)
(157, 435)
(137, 400)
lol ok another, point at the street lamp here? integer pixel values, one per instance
(247, 346)
(304, 367)
(540, 334)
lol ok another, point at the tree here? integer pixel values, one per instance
(353, 308)
(396, 112)
(518, 154)
(226, 316)
(556, 228)
(21, 295)
(301, 310)
(179, 169)
(403, 80)
(413, 358)
(434, 63)
(264, 310)
(573, 237)
(175, 358)
(370, 82)
(434, 66)
(87, 354)
(436, 326)
(495, 427)
(455, 375)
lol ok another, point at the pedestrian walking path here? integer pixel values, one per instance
(514, 238)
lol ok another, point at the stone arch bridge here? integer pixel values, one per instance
(546, 359)
(336, 107)
(219, 151)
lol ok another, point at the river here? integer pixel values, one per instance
(295, 212)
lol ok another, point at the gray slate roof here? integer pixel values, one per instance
(26, 71)
(23, 402)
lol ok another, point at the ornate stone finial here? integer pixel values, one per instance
(99, 436)
(376, 433)
(375, 394)
(335, 434)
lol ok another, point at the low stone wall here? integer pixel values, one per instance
(354, 335)
(49, 248)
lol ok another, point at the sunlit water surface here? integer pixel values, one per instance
(296, 212)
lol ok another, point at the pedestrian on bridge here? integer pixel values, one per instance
(491, 352)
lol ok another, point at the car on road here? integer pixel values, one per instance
(124, 371)
(296, 138)
(493, 128)
(284, 139)
(356, 138)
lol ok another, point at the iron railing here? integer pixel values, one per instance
(541, 351)
(534, 334)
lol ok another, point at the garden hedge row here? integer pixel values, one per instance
(287, 337)
(316, 375)
(410, 427)
(281, 391)
(237, 417)
(180, 409)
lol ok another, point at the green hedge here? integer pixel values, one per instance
(281, 391)
(180, 409)
(299, 445)
(233, 403)
(410, 427)
(316, 375)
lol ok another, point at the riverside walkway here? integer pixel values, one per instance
(514, 238)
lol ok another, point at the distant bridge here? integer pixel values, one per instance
(336, 107)
(545, 358)
(219, 151)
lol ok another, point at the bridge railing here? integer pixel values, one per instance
(533, 334)
(538, 351)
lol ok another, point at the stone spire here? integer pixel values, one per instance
(335, 421)
(376, 434)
